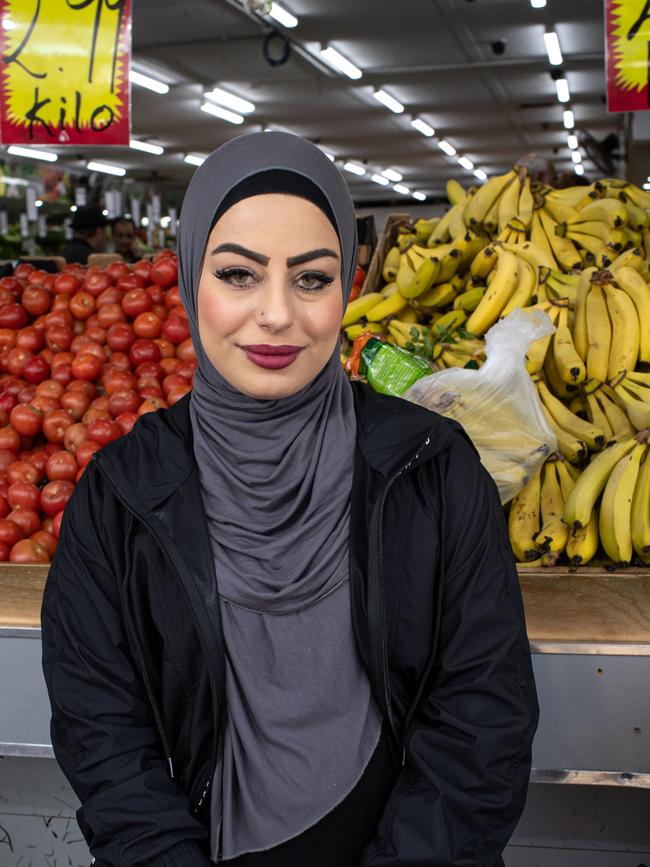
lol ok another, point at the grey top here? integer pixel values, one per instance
(276, 479)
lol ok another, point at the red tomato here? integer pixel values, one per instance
(82, 304)
(9, 438)
(10, 532)
(96, 282)
(60, 316)
(46, 539)
(147, 325)
(28, 551)
(74, 436)
(24, 494)
(103, 431)
(112, 295)
(23, 471)
(115, 380)
(50, 388)
(38, 457)
(4, 507)
(177, 392)
(8, 337)
(30, 338)
(118, 270)
(172, 380)
(56, 526)
(63, 373)
(61, 465)
(36, 276)
(61, 302)
(63, 357)
(109, 314)
(47, 524)
(6, 457)
(126, 420)
(88, 388)
(144, 350)
(75, 402)
(167, 349)
(164, 272)
(10, 284)
(176, 329)
(169, 365)
(135, 302)
(55, 495)
(186, 369)
(26, 518)
(59, 337)
(124, 401)
(17, 359)
(156, 293)
(173, 298)
(23, 270)
(120, 336)
(5, 550)
(143, 269)
(93, 347)
(93, 413)
(27, 420)
(13, 316)
(151, 404)
(85, 452)
(120, 360)
(100, 402)
(36, 300)
(96, 333)
(185, 350)
(86, 365)
(131, 281)
(55, 424)
(66, 284)
(45, 404)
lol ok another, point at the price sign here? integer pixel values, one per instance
(64, 72)
(628, 54)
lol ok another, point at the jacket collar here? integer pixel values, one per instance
(152, 461)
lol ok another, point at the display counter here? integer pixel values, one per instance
(589, 632)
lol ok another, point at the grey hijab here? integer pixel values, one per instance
(276, 479)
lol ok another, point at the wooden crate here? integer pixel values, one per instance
(386, 240)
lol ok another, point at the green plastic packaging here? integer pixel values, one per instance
(389, 369)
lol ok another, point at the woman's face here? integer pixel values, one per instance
(271, 280)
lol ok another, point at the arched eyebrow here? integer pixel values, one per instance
(321, 252)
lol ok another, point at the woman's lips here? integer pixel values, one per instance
(270, 356)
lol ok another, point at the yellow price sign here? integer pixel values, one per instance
(628, 54)
(65, 71)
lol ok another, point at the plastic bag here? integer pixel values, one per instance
(498, 404)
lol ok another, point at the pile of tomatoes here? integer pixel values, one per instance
(83, 353)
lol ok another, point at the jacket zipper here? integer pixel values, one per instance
(160, 539)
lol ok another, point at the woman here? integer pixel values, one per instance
(283, 625)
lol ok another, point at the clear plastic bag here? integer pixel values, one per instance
(497, 404)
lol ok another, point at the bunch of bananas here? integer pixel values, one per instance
(582, 255)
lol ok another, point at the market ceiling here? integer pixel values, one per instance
(475, 71)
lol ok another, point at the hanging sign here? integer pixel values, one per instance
(628, 54)
(64, 72)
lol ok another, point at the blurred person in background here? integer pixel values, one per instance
(89, 227)
(125, 239)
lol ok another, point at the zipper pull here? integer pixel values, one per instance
(171, 767)
(403, 755)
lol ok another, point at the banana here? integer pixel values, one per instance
(572, 449)
(589, 486)
(441, 232)
(423, 228)
(565, 476)
(617, 418)
(485, 197)
(491, 221)
(611, 211)
(569, 364)
(451, 358)
(580, 338)
(591, 245)
(470, 299)
(563, 286)
(637, 376)
(537, 350)
(524, 519)
(640, 198)
(640, 520)
(554, 533)
(389, 289)
(439, 296)
(597, 416)
(403, 334)
(455, 193)
(526, 286)
(616, 506)
(359, 307)
(473, 346)
(592, 435)
(497, 294)
(539, 237)
(533, 254)
(408, 315)
(483, 263)
(405, 274)
(387, 307)
(526, 204)
(563, 249)
(422, 279)
(551, 376)
(637, 409)
(599, 334)
(632, 282)
(570, 196)
(582, 543)
(391, 264)
(450, 321)
(559, 212)
(457, 225)
(626, 332)
(509, 203)
(354, 331)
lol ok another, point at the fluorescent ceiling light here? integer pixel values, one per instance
(580, 170)
(389, 101)
(286, 19)
(148, 82)
(105, 168)
(380, 179)
(562, 86)
(146, 147)
(421, 197)
(30, 153)
(576, 156)
(423, 127)
(392, 175)
(444, 146)
(569, 120)
(73, 208)
(400, 188)
(572, 141)
(340, 63)
(193, 159)
(354, 168)
(39, 203)
(17, 182)
(480, 174)
(223, 113)
(538, 4)
(465, 163)
(243, 106)
(553, 48)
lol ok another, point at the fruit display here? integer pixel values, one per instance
(83, 353)
(582, 256)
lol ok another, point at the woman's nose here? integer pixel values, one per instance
(275, 303)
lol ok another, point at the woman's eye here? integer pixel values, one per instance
(235, 276)
(314, 281)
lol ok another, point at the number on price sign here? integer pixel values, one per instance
(64, 67)
(628, 54)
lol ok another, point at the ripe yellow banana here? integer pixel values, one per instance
(570, 366)
(558, 211)
(470, 299)
(563, 249)
(582, 543)
(589, 433)
(580, 338)
(483, 263)
(599, 333)
(632, 282)
(597, 416)
(626, 332)
(593, 479)
(359, 307)
(524, 519)
(387, 307)
(455, 193)
(450, 321)
(354, 331)
(634, 404)
(441, 232)
(485, 197)
(526, 204)
(405, 274)
(539, 238)
(554, 533)
(497, 294)
(571, 448)
(616, 506)
(509, 203)
(440, 296)
(389, 289)
(617, 418)
(536, 354)
(610, 211)
(640, 519)
(565, 476)
(391, 264)
(534, 255)
(422, 279)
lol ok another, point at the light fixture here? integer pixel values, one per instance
(392, 175)
(389, 101)
(569, 120)
(562, 87)
(576, 156)
(146, 147)
(16, 182)
(30, 153)
(223, 113)
(401, 189)
(165, 221)
(105, 168)
(445, 147)
(580, 170)
(105, 212)
(421, 197)
(229, 100)
(39, 203)
(286, 19)
(465, 163)
(380, 179)
(480, 174)
(354, 168)
(148, 82)
(572, 141)
(193, 159)
(145, 221)
(553, 48)
(73, 208)
(538, 4)
(423, 127)
(340, 63)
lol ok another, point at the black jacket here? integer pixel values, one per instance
(133, 652)
(78, 250)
